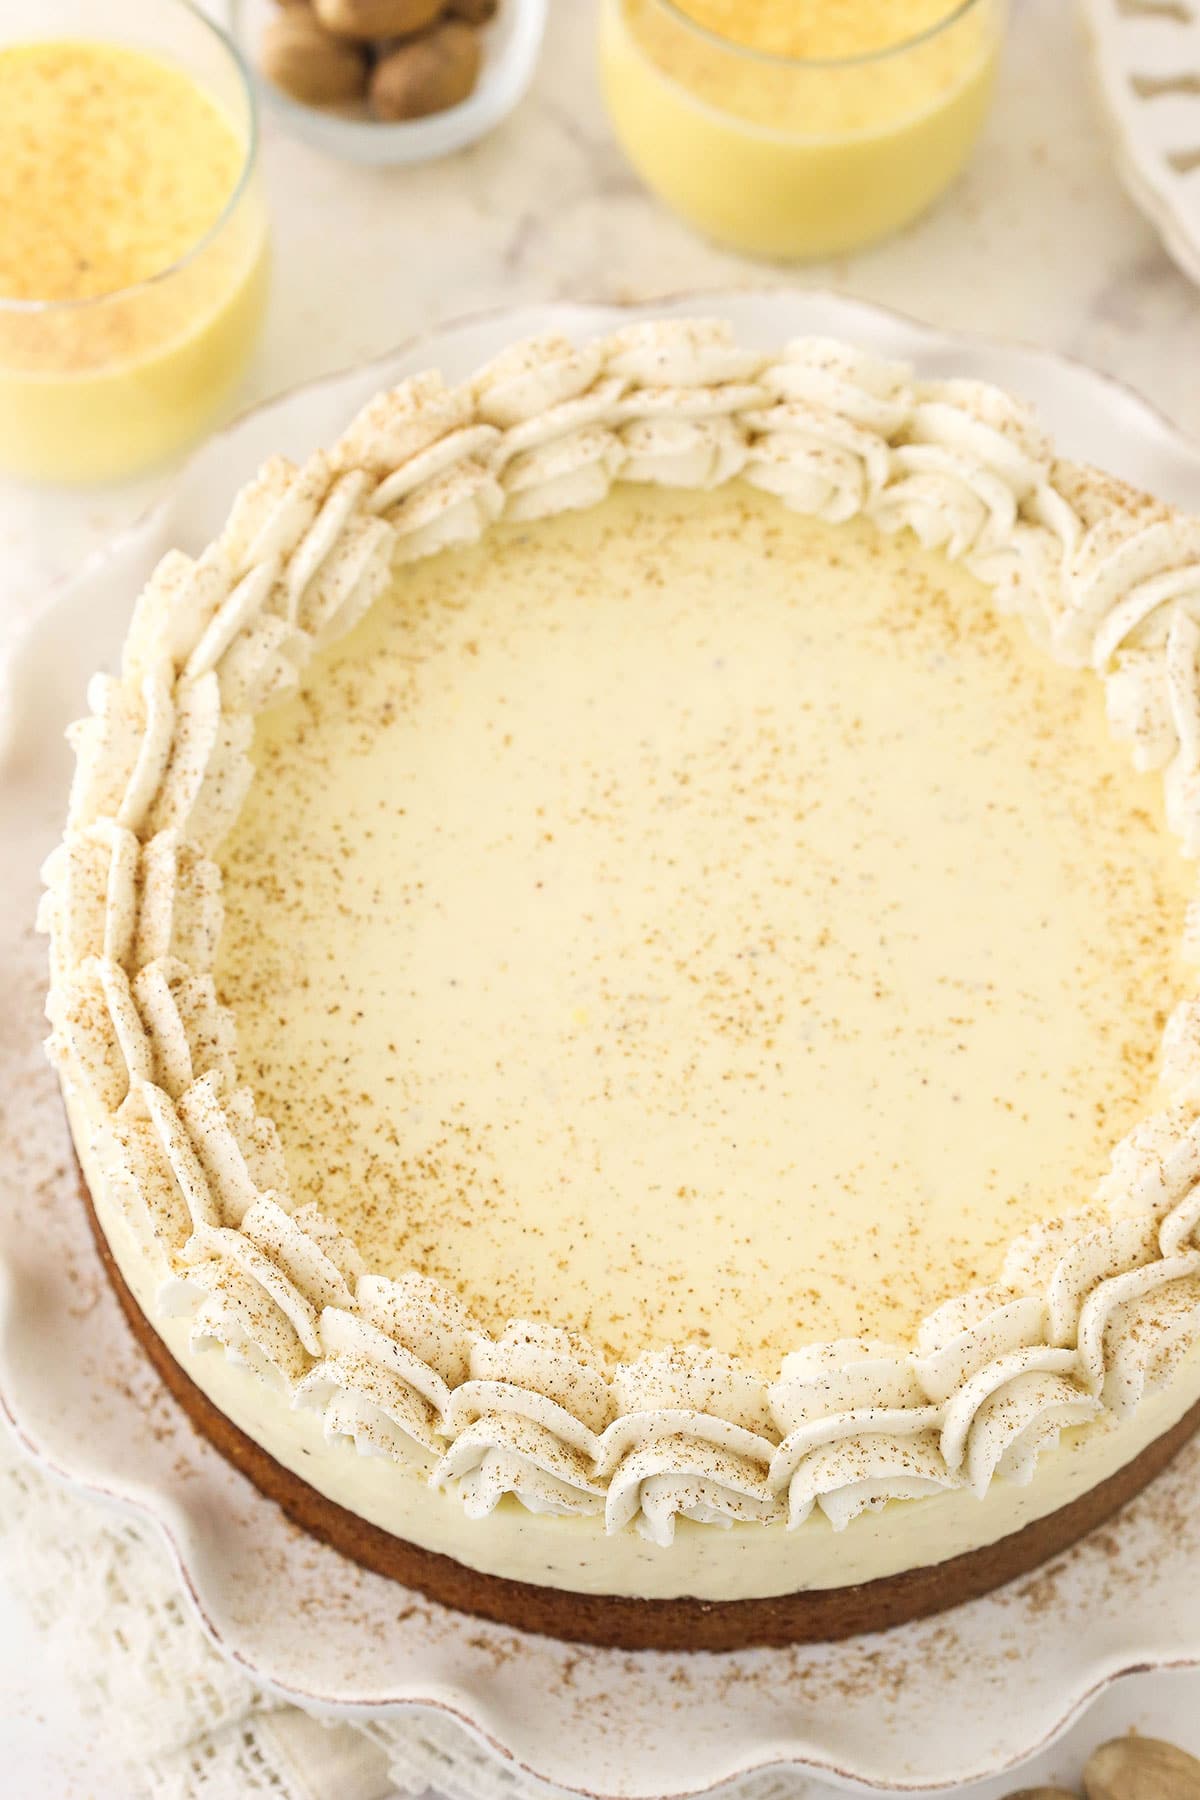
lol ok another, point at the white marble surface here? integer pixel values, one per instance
(1038, 243)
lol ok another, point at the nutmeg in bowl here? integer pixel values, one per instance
(426, 74)
(310, 64)
(391, 81)
(375, 21)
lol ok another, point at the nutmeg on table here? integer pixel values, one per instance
(1131, 1768)
(405, 58)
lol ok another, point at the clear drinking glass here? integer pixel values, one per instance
(787, 157)
(93, 389)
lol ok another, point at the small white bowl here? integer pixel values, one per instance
(511, 40)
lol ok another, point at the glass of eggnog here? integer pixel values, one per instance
(798, 128)
(133, 243)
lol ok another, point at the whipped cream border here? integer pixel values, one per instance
(1091, 1310)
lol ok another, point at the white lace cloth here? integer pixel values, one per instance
(187, 1723)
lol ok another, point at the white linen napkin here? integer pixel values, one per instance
(187, 1723)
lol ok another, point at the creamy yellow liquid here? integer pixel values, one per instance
(792, 131)
(821, 30)
(115, 168)
(687, 920)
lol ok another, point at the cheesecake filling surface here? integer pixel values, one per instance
(687, 921)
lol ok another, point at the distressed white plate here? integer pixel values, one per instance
(935, 1704)
(1147, 58)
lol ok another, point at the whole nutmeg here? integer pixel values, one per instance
(1141, 1768)
(475, 12)
(303, 59)
(427, 75)
(367, 19)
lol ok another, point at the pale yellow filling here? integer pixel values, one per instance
(685, 920)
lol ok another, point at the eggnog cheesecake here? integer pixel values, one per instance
(621, 970)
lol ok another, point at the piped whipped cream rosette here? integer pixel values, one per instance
(526, 1422)
(1004, 1391)
(109, 896)
(844, 381)
(384, 1379)
(692, 1439)
(266, 1284)
(1155, 1167)
(550, 1377)
(687, 353)
(816, 462)
(598, 407)
(688, 1477)
(1088, 1315)
(857, 1428)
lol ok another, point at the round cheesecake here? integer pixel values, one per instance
(622, 998)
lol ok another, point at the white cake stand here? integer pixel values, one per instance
(934, 1704)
